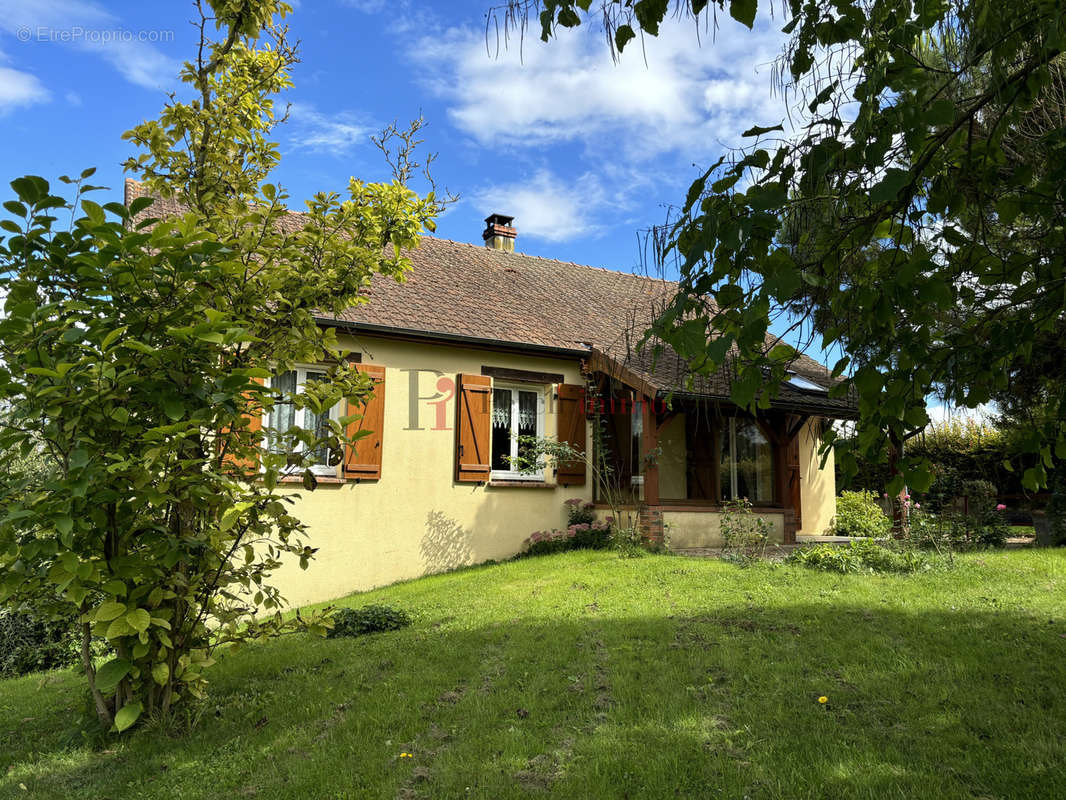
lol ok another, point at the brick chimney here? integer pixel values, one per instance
(499, 232)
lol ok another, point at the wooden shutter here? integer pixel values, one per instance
(572, 432)
(363, 459)
(473, 429)
(246, 466)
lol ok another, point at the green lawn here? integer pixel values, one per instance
(587, 676)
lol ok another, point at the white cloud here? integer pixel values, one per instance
(325, 133)
(547, 207)
(687, 97)
(19, 89)
(90, 28)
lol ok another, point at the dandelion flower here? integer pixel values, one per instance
(823, 699)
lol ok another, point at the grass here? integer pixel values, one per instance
(585, 676)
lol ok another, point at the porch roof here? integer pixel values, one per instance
(663, 373)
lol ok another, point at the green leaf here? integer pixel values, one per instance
(174, 408)
(64, 524)
(139, 619)
(93, 211)
(111, 337)
(109, 675)
(649, 14)
(623, 36)
(115, 588)
(109, 611)
(127, 715)
(890, 186)
(758, 130)
(161, 673)
(117, 629)
(743, 11)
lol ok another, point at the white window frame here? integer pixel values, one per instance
(515, 388)
(300, 418)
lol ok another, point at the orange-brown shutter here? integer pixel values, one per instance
(363, 459)
(572, 433)
(255, 424)
(473, 429)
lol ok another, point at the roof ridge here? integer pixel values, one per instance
(133, 183)
(554, 260)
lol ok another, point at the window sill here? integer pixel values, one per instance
(502, 484)
(319, 478)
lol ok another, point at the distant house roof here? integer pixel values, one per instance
(464, 292)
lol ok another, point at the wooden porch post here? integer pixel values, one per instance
(651, 516)
(781, 434)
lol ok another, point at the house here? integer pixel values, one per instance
(483, 344)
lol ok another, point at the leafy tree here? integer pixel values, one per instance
(913, 220)
(134, 356)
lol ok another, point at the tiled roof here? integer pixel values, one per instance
(456, 289)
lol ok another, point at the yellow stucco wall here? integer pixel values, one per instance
(702, 529)
(817, 486)
(416, 519)
(673, 478)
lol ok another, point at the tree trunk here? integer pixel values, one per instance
(102, 710)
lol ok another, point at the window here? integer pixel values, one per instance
(747, 462)
(803, 384)
(285, 415)
(516, 411)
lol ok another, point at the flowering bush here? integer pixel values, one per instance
(583, 532)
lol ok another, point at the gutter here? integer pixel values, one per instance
(413, 334)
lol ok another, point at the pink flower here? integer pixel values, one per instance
(589, 506)
(906, 497)
(573, 501)
(1001, 507)
(886, 494)
(917, 505)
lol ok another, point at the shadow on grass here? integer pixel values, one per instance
(715, 702)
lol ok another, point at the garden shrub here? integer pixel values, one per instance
(859, 514)
(744, 535)
(583, 532)
(31, 642)
(368, 619)
(863, 555)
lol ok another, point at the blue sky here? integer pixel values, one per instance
(583, 152)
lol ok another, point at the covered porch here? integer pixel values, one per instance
(673, 458)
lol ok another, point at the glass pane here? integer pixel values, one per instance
(319, 423)
(725, 463)
(283, 416)
(501, 429)
(754, 463)
(636, 429)
(527, 423)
